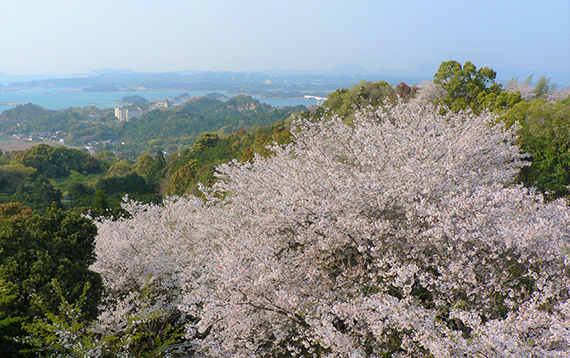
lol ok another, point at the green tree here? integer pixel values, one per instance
(464, 84)
(145, 165)
(100, 205)
(206, 140)
(133, 185)
(13, 175)
(182, 179)
(33, 252)
(67, 332)
(345, 102)
(545, 135)
(542, 87)
(499, 103)
(14, 210)
(80, 195)
(55, 162)
(39, 195)
(121, 168)
(106, 159)
(159, 167)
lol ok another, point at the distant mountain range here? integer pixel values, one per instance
(354, 71)
(108, 70)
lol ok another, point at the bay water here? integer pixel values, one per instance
(60, 98)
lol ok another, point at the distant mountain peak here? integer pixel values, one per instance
(108, 70)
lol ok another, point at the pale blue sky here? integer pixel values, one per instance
(75, 36)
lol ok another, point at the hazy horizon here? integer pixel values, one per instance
(67, 37)
(418, 69)
(420, 73)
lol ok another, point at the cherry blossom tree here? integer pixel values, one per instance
(401, 235)
(558, 95)
(429, 91)
(528, 92)
(147, 262)
(524, 88)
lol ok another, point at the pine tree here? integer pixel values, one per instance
(100, 205)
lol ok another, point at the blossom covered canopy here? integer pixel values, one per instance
(400, 235)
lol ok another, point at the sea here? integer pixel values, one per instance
(60, 98)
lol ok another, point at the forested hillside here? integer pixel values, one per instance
(168, 130)
(394, 220)
(175, 129)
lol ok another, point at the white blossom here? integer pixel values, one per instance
(403, 234)
(525, 89)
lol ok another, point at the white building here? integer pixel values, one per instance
(124, 114)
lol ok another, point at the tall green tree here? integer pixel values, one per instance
(80, 195)
(100, 205)
(542, 87)
(145, 165)
(464, 84)
(159, 166)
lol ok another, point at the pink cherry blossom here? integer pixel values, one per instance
(403, 234)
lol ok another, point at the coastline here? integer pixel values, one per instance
(65, 97)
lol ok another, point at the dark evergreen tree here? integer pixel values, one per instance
(100, 205)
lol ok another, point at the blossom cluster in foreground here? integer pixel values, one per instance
(400, 235)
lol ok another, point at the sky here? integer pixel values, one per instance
(66, 37)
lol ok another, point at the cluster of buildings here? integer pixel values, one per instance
(90, 146)
(58, 136)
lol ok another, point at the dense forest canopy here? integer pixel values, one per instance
(393, 220)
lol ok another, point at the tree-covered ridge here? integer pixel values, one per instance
(178, 128)
(42, 175)
(55, 162)
(22, 113)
